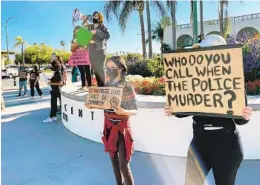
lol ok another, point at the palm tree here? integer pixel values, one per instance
(122, 10)
(62, 43)
(172, 6)
(158, 30)
(20, 42)
(161, 9)
(201, 19)
(223, 4)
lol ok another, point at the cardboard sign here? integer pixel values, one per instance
(104, 97)
(83, 36)
(207, 81)
(79, 57)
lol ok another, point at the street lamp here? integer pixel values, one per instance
(7, 36)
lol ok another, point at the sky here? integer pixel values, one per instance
(51, 22)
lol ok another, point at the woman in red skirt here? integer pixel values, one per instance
(117, 138)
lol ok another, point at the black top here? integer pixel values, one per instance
(202, 121)
(34, 75)
(206, 121)
(229, 123)
(56, 78)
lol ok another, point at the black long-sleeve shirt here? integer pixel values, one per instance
(216, 121)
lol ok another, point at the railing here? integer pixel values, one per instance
(215, 22)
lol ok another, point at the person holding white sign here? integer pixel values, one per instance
(216, 142)
(117, 138)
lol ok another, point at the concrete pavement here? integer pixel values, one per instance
(34, 153)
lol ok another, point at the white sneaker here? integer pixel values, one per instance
(54, 118)
(48, 120)
(32, 97)
(41, 96)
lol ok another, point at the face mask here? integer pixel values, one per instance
(95, 21)
(112, 73)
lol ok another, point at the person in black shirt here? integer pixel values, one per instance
(215, 143)
(34, 82)
(55, 83)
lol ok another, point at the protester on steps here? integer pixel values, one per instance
(117, 138)
(216, 142)
(34, 81)
(98, 46)
(55, 83)
(74, 74)
(85, 70)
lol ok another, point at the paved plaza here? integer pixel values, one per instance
(34, 153)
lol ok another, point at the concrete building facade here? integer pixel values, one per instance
(239, 24)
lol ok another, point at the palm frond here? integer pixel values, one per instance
(159, 6)
(19, 41)
(169, 2)
(112, 8)
(125, 14)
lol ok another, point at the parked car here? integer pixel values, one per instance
(10, 72)
(47, 68)
(4, 74)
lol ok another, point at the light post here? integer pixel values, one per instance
(7, 36)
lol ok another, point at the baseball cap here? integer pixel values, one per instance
(212, 40)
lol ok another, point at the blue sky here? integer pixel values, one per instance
(51, 22)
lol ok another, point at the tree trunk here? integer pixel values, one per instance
(143, 33)
(201, 18)
(22, 55)
(221, 15)
(161, 51)
(149, 29)
(173, 12)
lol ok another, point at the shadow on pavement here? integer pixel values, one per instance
(34, 153)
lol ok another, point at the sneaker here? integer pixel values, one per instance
(54, 118)
(41, 96)
(83, 88)
(32, 97)
(24, 94)
(48, 120)
(18, 95)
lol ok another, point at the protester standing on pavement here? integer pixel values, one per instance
(55, 83)
(216, 141)
(117, 138)
(34, 81)
(23, 75)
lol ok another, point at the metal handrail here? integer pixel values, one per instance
(216, 21)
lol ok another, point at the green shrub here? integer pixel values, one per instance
(145, 68)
